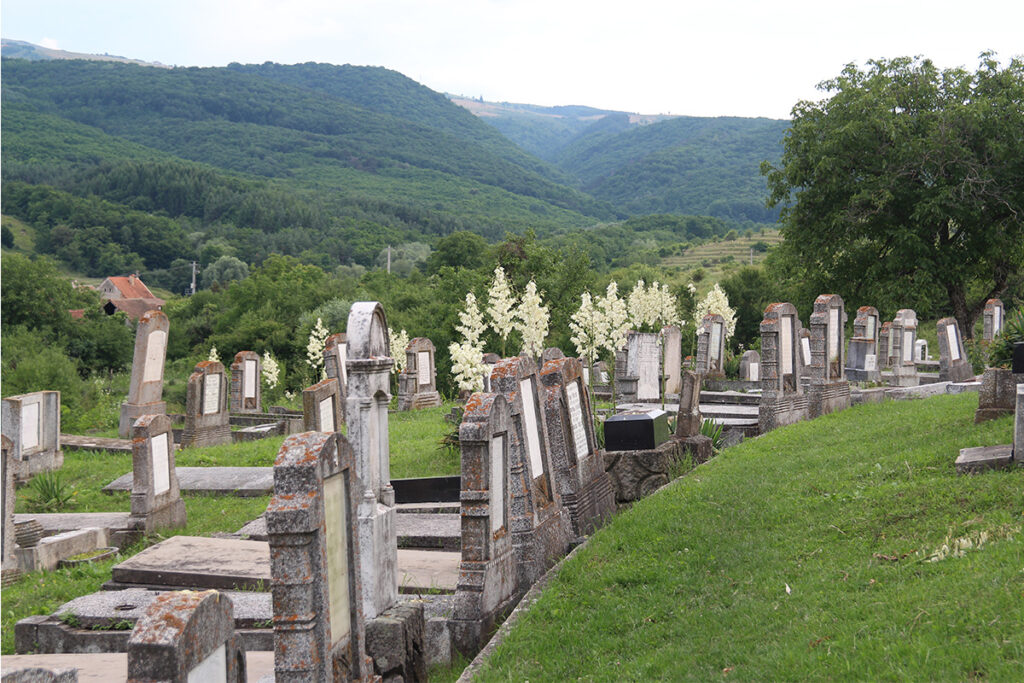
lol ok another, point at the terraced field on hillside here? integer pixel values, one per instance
(708, 255)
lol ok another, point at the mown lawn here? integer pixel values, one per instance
(807, 554)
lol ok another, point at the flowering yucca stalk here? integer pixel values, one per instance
(588, 329)
(716, 301)
(315, 347)
(532, 321)
(271, 370)
(472, 327)
(468, 367)
(501, 305)
(398, 343)
(616, 318)
(214, 356)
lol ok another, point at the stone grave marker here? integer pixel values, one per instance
(994, 318)
(246, 384)
(321, 407)
(998, 394)
(782, 396)
(146, 387)
(540, 527)
(156, 498)
(41, 674)
(313, 532)
(8, 560)
(688, 419)
(551, 353)
(186, 637)
(885, 352)
(579, 474)
(336, 365)
(805, 350)
(1018, 426)
(829, 390)
(750, 366)
(711, 346)
(207, 421)
(32, 423)
(862, 358)
(672, 342)
(921, 350)
(491, 359)
(902, 335)
(954, 366)
(417, 384)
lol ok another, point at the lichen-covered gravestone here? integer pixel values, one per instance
(186, 637)
(672, 343)
(8, 561)
(862, 356)
(417, 384)
(321, 407)
(829, 390)
(146, 387)
(994, 318)
(156, 498)
(998, 394)
(32, 423)
(246, 387)
(750, 366)
(207, 421)
(312, 529)
(540, 525)
(336, 364)
(902, 335)
(41, 674)
(953, 363)
(578, 467)
(782, 396)
(711, 346)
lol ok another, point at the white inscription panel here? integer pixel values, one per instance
(579, 434)
(869, 329)
(908, 346)
(648, 386)
(342, 361)
(213, 669)
(714, 349)
(211, 394)
(786, 345)
(29, 425)
(805, 348)
(497, 483)
(337, 534)
(423, 368)
(870, 362)
(530, 427)
(160, 448)
(754, 369)
(833, 334)
(153, 371)
(249, 379)
(327, 415)
(954, 344)
(997, 320)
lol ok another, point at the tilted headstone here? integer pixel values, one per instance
(782, 396)
(711, 346)
(207, 421)
(417, 384)
(885, 344)
(688, 419)
(954, 366)
(672, 343)
(246, 384)
(578, 467)
(902, 335)
(8, 561)
(366, 415)
(187, 637)
(146, 387)
(315, 552)
(321, 407)
(540, 526)
(829, 390)
(156, 498)
(994, 317)
(863, 363)
(32, 423)
(336, 364)
(750, 366)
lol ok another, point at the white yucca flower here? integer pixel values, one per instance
(315, 347)
(398, 343)
(271, 370)
(472, 326)
(691, 288)
(616, 318)
(501, 304)
(468, 365)
(651, 307)
(532, 321)
(716, 302)
(589, 329)
(214, 356)
(668, 313)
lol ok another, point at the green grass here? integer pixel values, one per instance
(800, 555)
(738, 248)
(414, 437)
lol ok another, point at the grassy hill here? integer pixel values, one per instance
(739, 250)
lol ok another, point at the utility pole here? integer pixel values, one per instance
(389, 259)
(751, 256)
(193, 288)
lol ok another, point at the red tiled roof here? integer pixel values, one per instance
(77, 313)
(131, 287)
(134, 308)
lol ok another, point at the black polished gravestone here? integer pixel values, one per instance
(636, 430)
(1018, 358)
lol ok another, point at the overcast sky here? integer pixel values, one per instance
(730, 57)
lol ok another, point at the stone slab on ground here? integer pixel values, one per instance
(730, 397)
(920, 391)
(227, 481)
(428, 571)
(870, 395)
(59, 522)
(984, 458)
(74, 442)
(111, 667)
(429, 508)
(249, 607)
(964, 387)
(415, 530)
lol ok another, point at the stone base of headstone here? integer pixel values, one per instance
(48, 552)
(9, 576)
(826, 398)
(541, 547)
(200, 437)
(998, 394)
(625, 389)
(774, 413)
(985, 458)
(171, 516)
(956, 372)
(133, 411)
(637, 474)
(418, 401)
(395, 640)
(595, 502)
(41, 674)
(904, 377)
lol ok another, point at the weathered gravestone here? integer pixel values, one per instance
(672, 343)
(782, 396)
(32, 423)
(688, 419)
(805, 354)
(862, 357)
(953, 363)
(994, 316)
(644, 363)
(921, 351)
(417, 384)
(146, 387)
(207, 421)
(540, 526)
(491, 359)
(902, 335)
(336, 365)
(998, 394)
(246, 384)
(551, 353)
(321, 407)
(885, 352)
(829, 390)
(186, 637)
(40, 674)
(156, 498)
(315, 551)
(750, 366)
(711, 346)
(579, 473)
(487, 587)
(979, 459)
(8, 561)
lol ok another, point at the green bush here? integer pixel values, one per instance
(1001, 351)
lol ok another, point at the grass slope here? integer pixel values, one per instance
(800, 555)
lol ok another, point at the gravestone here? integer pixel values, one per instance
(750, 366)
(366, 416)
(829, 390)
(862, 356)
(417, 384)
(921, 351)
(551, 353)
(336, 365)
(711, 346)
(1018, 426)
(688, 419)
(207, 421)
(902, 335)
(805, 353)
(540, 526)
(954, 366)
(32, 423)
(998, 394)
(672, 342)
(41, 674)
(8, 561)
(312, 528)
(644, 363)
(579, 474)
(487, 587)
(782, 396)
(186, 637)
(636, 430)
(885, 353)
(321, 407)
(146, 387)
(994, 317)
(246, 384)
(156, 497)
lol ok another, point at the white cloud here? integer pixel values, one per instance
(49, 43)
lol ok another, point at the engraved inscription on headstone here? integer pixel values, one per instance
(249, 387)
(716, 341)
(755, 372)
(908, 346)
(579, 434)
(869, 329)
(648, 384)
(997, 320)
(154, 368)
(532, 430)
(327, 415)
(833, 334)
(161, 463)
(786, 345)
(954, 345)
(213, 669)
(337, 531)
(871, 362)
(29, 426)
(805, 348)
(423, 368)
(497, 484)
(211, 394)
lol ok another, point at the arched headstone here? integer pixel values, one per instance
(711, 346)
(994, 318)
(417, 385)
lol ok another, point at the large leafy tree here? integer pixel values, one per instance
(907, 185)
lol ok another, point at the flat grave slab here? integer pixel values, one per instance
(226, 481)
(426, 571)
(984, 458)
(108, 667)
(99, 609)
(59, 522)
(415, 530)
(730, 397)
(74, 442)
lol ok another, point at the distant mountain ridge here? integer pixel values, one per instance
(20, 49)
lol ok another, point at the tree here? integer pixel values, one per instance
(906, 182)
(224, 270)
